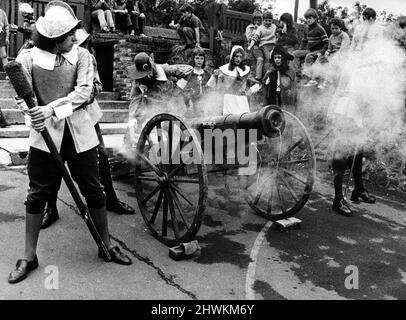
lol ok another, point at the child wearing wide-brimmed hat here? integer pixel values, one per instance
(61, 74)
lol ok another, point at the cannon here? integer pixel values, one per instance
(171, 169)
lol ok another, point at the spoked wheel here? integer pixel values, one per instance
(170, 179)
(286, 170)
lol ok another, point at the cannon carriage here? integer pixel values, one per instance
(174, 157)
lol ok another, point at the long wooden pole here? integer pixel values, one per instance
(296, 10)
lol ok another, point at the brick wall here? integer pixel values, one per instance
(124, 53)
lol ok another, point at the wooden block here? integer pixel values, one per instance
(287, 224)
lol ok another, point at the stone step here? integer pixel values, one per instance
(22, 131)
(14, 151)
(113, 104)
(9, 93)
(9, 103)
(5, 84)
(109, 95)
(15, 116)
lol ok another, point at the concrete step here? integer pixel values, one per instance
(5, 84)
(9, 103)
(109, 95)
(9, 93)
(22, 131)
(15, 116)
(14, 151)
(113, 104)
(114, 116)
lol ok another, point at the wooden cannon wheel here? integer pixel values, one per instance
(171, 189)
(285, 173)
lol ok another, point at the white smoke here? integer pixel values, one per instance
(365, 99)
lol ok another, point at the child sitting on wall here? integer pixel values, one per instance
(338, 42)
(314, 43)
(265, 38)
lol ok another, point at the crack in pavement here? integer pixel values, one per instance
(146, 260)
(168, 279)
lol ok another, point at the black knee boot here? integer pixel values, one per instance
(359, 193)
(99, 217)
(51, 213)
(340, 205)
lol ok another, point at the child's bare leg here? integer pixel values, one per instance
(258, 55)
(3, 56)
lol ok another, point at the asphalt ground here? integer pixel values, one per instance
(242, 257)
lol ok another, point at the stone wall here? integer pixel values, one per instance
(124, 53)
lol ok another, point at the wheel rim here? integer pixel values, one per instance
(285, 175)
(171, 192)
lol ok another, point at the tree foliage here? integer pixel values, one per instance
(161, 13)
(248, 6)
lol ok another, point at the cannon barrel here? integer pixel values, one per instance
(269, 121)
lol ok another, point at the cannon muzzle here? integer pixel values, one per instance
(269, 121)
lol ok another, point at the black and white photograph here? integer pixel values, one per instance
(203, 156)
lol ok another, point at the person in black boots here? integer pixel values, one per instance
(349, 135)
(93, 108)
(354, 163)
(62, 76)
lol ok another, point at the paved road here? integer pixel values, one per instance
(242, 257)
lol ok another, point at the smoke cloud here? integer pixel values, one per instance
(364, 100)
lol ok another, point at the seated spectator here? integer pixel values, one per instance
(265, 38)
(287, 35)
(338, 41)
(251, 28)
(136, 9)
(101, 11)
(122, 19)
(314, 43)
(249, 33)
(189, 27)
